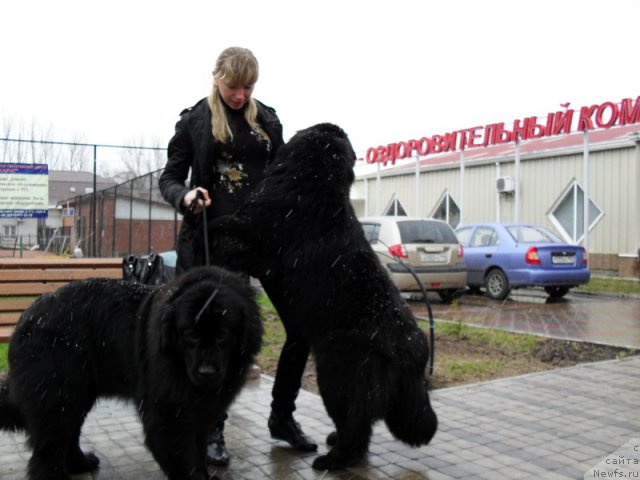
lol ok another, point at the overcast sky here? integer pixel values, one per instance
(386, 71)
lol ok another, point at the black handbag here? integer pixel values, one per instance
(149, 269)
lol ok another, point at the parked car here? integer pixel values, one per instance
(503, 256)
(430, 247)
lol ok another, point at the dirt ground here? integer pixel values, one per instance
(471, 362)
(496, 362)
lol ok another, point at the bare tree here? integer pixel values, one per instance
(142, 159)
(12, 152)
(27, 148)
(76, 154)
(42, 152)
(21, 150)
(159, 155)
(39, 147)
(7, 126)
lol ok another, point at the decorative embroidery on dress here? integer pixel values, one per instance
(261, 139)
(232, 175)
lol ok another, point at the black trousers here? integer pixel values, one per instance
(293, 357)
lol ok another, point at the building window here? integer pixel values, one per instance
(447, 209)
(567, 214)
(371, 232)
(9, 230)
(395, 208)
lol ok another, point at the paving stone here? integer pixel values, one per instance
(513, 432)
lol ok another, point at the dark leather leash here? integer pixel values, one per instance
(192, 208)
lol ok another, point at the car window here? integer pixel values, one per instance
(463, 235)
(484, 237)
(527, 234)
(371, 232)
(424, 231)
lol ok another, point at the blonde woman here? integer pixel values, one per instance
(224, 143)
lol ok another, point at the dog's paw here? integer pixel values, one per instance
(324, 462)
(332, 439)
(334, 462)
(84, 464)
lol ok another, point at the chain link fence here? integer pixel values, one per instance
(130, 218)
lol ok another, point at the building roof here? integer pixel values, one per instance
(545, 146)
(64, 185)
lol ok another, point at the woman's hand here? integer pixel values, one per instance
(190, 197)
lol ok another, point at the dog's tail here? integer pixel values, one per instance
(10, 416)
(412, 420)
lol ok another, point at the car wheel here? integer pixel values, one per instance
(497, 285)
(556, 292)
(449, 295)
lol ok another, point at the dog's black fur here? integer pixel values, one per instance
(109, 338)
(300, 231)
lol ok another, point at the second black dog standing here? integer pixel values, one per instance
(299, 231)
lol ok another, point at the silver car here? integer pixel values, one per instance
(430, 247)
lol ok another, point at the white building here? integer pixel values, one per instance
(541, 181)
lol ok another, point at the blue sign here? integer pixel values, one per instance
(24, 190)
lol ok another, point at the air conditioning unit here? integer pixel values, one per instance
(505, 184)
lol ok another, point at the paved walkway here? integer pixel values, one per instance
(556, 424)
(552, 425)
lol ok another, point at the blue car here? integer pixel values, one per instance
(503, 256)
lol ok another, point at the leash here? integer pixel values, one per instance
(207, 262)
(204, 307)
(192, 208)
(432, 336)
(432, 340)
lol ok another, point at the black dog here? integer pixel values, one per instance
(299, 231)
(180, 352)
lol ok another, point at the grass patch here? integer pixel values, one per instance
(468, 354)
(274, 334)
(4, 348)
(611, 285)
(480, 368)
(510, 342)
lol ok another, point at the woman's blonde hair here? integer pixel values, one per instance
(234, 66)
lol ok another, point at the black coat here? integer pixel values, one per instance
(192, 148)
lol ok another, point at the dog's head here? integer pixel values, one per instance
(211, 324)
(321, 154)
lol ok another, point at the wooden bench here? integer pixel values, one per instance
(23, 280)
